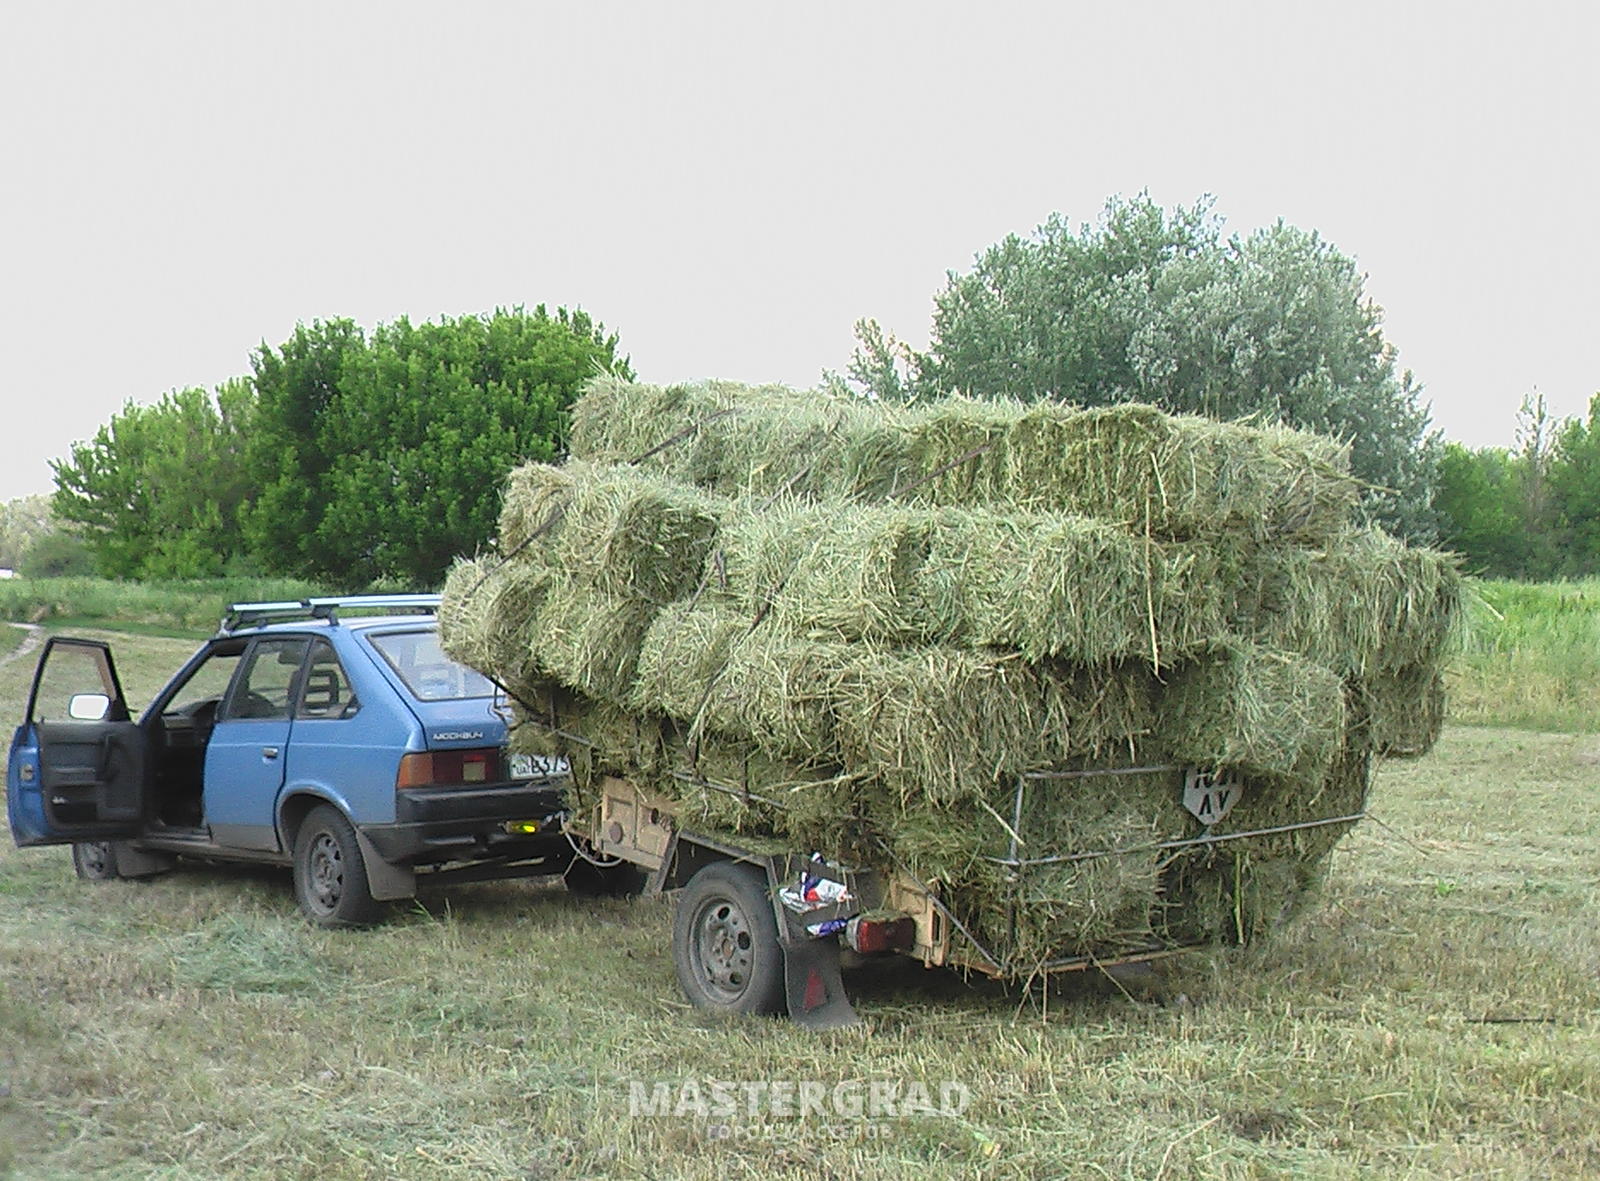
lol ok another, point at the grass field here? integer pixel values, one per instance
(1434, 1012)
(189, 608)
(1530, 656)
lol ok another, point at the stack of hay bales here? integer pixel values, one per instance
(848, 627)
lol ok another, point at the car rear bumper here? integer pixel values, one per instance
(471, 823)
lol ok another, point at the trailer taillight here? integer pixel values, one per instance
(449, 768)
(871, 935)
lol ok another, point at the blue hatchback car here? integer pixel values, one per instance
(323, 734)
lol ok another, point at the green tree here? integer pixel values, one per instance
(157, 492)
(384, 458)
(22, 522)
(1479, 501)
(56, 554)
(1160, 307)
(1573, 485)
(287, 457)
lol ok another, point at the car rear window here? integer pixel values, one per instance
(426, 670)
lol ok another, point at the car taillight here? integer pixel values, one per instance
(449, 768)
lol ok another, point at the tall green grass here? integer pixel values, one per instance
(190, 606)
(10, 639)
(1530, 657)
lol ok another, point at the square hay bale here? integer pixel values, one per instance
(1255, 710)
(1090, 873)
(1179, 475)
(1407, 708)
(1051, 585)
(1237, 892)
(736, 786)
(958, 452)
(1043, 584)
(683, 653)
(533, 505)
(832, 571)
(591, 641)
(486, 614)
(1363, 602)
(937, 724)
(597, 738)
(618, 531)
(708, 668)
(1172, 476)
(733, 439)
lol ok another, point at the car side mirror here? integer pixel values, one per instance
(88, 707)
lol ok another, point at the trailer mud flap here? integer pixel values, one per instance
(813, 985)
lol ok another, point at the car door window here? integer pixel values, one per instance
(73, 670)
(266, 687)
(203, 688)
(325, 691)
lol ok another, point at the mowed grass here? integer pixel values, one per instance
(1435, 1011)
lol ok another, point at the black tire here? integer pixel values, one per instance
(330, 877)
(725, 941)
(588, 880)
(95, 861)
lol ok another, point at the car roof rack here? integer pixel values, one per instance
(243, 615)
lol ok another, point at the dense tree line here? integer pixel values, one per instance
(345, 457)
(1530, 511)
(352, 457)
(1160, 307)
(34, 543)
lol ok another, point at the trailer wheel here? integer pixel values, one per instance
(725, 941)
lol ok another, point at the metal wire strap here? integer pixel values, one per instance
(1180, 843)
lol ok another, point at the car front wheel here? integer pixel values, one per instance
(95, 861)
(330, 877)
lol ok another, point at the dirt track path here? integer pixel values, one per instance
(30, 643)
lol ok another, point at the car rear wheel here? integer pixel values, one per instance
(725, 941)
(330, 876)
(95, 861)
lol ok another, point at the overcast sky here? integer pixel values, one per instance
(730, 186)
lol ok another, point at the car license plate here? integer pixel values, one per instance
(538, 766)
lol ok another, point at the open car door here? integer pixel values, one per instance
(77, 765)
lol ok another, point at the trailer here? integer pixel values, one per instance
(760, 928)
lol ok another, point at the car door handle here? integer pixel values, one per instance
(269, 752)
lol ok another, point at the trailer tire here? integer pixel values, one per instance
(725, 941)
